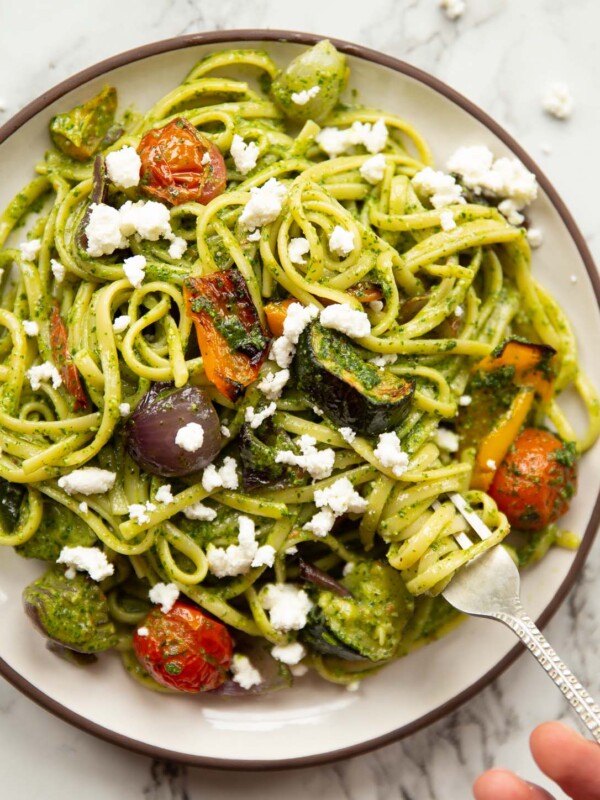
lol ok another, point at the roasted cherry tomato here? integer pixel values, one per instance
(179, 164)
(184, 649)
(534, 484)
(63, 361)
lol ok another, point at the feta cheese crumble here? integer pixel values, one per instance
(237, 559)
(143, 631)
(44, 372)
(121, 323)
(347, 434)
(318, 463)
(273, 384)
(453, 8)
(254, 237)
(284, 347)
(244, 154)
(345, 319)
(123, 167)
(376, 305)
(535, 237)
(441, 189)
(446, 440)
(335, 141)
(225, 477)
(256, 418)
(103, 231)
(31, 328)
(190, 437)
(140, 512)
(86, 559)
(321, 523)
(58, 270)
(148, 218)
(135, 270)
(178, 247)
(509, 209)
(225, 431)
(200, 512)
(465, 400)
(373, 169)
(302, 98)
(341, 241)
(558, 101)
(88, 480)
(447, 220)
(124, 409)
(288, 606)
(341, 497)
(30, 249)
(384, 359)
(83, 507)
(164, 494)
(389, 453)
(289, 653)
(491, 464)
(243, 672)
(164, 595)
(264, 205)
(297, 249)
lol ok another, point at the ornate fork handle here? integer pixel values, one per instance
(526, 629)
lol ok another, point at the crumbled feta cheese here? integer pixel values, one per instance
(302, 98)
(355, 685)
(226, 477)
(546, 148)
(348, 568)
(341, 241)
(143, 631)
(284, 347)
(150, 219)
(318, 463)
(335, 141)
(190, 437)
(373, 169)
(376, 305)
(237, 559)
(178, 247)
(441, 189)
(384, 359)
(291, 550)
(205, 158)
(273, 383)
(200, 512)
(244, 154)
(243, 672)
(30, 249)
(535, 237)
(103, 230)
(140, 512)
(123, 167)
(453, 8)
(390, 454)
(557, 100)
(264, 206)
(164, 595)
(44, 372)
(297, 248)
(86, 559)
(288, 606)
(447, 220)
(341, 497)
(573, 278)
(373, 137)
(321, 523)
(121, 323)
(347, 434)
(225, 431)
(345, 319)
(256, 418)
(31, 328)
(446, 440)
(491, 464)
(58, 270)
(298, 670)
(459, 311)
(88, 480)
(164, 494)
(135, 270)
(290, 653)
(505, 177)
(508, 208)
(254, 237)
(465, 400)
(124, 409)
(83, 507)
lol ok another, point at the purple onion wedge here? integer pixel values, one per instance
(312, 574)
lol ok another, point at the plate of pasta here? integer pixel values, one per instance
(260, 315)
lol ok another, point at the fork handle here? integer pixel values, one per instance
(581, 701)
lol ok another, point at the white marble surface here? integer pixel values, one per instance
(500, 54)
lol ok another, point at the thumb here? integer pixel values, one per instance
(569, 759)
(499, 784)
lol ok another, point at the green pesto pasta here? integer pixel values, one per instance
(330, 206)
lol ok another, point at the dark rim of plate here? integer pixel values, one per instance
(358, 51)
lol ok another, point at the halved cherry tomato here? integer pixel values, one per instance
(63, 361)
(184, 649)
(232, 341)
(180, 165)
(534, 484)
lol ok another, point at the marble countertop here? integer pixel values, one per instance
(500, 54)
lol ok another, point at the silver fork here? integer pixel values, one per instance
(488, 586)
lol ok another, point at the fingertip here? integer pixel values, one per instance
(496, 784)
(567, 758)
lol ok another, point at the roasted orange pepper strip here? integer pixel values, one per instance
(276, 314)
(533, 363)
(63, 361)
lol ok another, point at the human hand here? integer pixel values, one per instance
(562, 754)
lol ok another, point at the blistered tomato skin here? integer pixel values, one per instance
(184, 649)
(536, 481)
(180, 165)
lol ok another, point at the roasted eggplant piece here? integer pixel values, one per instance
(351, 391)
(78, 133)
(257, 454)
(368, 624)
(11, 497)
(70, 611)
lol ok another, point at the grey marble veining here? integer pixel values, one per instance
(500, 54)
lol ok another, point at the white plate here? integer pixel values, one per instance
(314, 722)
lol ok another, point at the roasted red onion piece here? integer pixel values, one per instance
(312, 574)
(152, 429)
